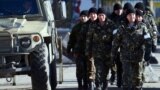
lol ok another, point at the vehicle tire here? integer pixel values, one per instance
(53, 75)
(40, 69)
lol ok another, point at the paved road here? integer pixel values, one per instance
(69, 83)
(69, 79)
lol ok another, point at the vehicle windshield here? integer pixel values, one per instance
(18, 7)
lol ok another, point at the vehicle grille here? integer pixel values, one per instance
(5, 42)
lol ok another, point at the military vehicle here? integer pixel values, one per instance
(28, 41)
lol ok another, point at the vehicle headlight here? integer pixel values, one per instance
(36, 38)
(25, 42)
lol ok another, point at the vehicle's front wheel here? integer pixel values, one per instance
(53, 75)
(40, 69)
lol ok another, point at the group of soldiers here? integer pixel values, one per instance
(122, 42)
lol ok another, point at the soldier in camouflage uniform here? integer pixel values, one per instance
(152, 28)
(116, 17)
(150, 23)
(139, 21)
(132, 38)
(81, 45)
(98, 45)
(81, 64)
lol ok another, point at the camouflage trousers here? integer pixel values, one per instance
(119, 69)
(81, 70)
(132, 75)
(91, 69)
(102, 71)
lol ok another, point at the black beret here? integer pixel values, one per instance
(140, 6)
(130, 10)
(101, 10)
(92, 10)
(117, 6)
(139, 13)
(127, 5)
(84, 12)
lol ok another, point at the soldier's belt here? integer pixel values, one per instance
(133, 48)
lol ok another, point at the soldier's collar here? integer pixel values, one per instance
(131, 24)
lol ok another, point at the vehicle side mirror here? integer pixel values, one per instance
(63, 9)
(48, 10)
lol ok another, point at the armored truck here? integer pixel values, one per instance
(28, 41)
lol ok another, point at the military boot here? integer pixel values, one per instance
(98, 86)
(119, 83)
(85, 86)
(112, 79)
(105, 85)
(91, 85)
(136, 88)
(80, 86)
(125, 88)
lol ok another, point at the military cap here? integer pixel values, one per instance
(130, 10)
(139, 13)
(84, 12)
(140, 6)
(101, 11)
(92, 10)
(117, 6)
(127, 5)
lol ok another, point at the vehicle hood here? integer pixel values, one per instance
(22, 26)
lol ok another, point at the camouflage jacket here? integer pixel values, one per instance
(73, 37)
(81, 40)
(133, 41)
(151, 25)
(99, 40)
(116, 19)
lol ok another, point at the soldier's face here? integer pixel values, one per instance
(139, 18)
(83, 18)
(131, 17)
(93, 16)
(101, 17)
